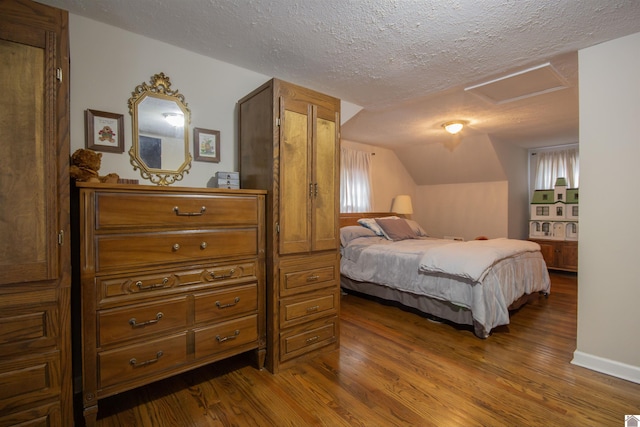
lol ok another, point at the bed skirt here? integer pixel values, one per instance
(441, 310)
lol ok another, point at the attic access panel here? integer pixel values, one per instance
(523, 84)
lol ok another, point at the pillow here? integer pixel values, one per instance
(351, 232)
(417, 228)
(371, 224)
(396, 229)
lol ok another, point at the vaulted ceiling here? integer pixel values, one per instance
(405, 63)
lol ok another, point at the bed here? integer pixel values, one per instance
(475, 283)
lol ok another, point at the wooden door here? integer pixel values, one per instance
(325, 170)
(295, 186)
(28, 187)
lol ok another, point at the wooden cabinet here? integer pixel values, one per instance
(170, 279)
(35, 285)
(289, 146)
(559, 254)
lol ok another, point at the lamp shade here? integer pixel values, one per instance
(402, 204)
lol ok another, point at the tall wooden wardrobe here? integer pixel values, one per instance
(289, 139)
(35, 356)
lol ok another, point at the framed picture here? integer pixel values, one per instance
(104, 131)
(206, 145)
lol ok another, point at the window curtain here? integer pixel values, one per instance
(562, 163)
(355, 180)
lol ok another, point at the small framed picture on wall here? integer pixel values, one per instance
(104, 131)
(206, 145)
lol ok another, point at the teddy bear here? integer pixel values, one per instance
(85, 165)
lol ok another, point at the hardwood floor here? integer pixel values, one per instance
(396, 368)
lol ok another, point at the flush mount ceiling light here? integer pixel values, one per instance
(174, 119)
(453, 127)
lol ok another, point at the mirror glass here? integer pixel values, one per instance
(160, 123)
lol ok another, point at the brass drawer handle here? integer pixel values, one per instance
(175, 247)
(141, 287)
(230, 337)
(223, 276)
(203, 245)
(312, 278)
(313, 308)
(178, 213)
(236, 300)
(135, 324)
(133, 362)
(312, 339)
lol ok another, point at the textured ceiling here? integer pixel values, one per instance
(406, 62)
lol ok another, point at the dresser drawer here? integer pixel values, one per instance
(308, 277)
(212, 306)
(47, 415)
(141, 360)
(139, 320)
(295, 310)
(25, 328)
(117, 210)
(116, 252)
(227, 335)
(296, 342)
(28, 379)
(127, 288)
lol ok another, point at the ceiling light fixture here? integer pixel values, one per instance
(453, 127)
(174, 119)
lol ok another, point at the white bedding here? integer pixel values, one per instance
(472, 260)
(397, 265)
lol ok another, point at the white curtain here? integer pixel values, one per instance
(561, 163)
(355, 181)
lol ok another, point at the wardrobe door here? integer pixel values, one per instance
(28, 186)
(326, 169)
(296, 188)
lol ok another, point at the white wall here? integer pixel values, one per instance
(107, 64)
(608, 267)
(389, 176)
(463, 210)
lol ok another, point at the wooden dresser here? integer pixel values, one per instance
(559, 254)
(289, 143)
(170, 279)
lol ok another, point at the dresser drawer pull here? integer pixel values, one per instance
(203, 245)
(312, 278)
(223, 276)
(141, 287)
(135, 324)
(312, 339)
(230, 337)
(231, 304)
(178, 213)
(133, 362)
(175, 247)
(313, 308)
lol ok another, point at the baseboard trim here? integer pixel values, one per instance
(607, 366)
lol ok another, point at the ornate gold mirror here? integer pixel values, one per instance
(160, 124)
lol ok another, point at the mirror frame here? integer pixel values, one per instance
(159, 87)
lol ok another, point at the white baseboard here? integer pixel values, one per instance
(607, 366)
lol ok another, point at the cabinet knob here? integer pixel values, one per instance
(203, 245)
(176, 246)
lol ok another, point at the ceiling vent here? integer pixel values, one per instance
(523, 84)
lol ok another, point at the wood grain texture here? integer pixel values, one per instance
(396, 368)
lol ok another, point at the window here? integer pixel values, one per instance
(547, 165)
(542, 210)
(355, 180)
